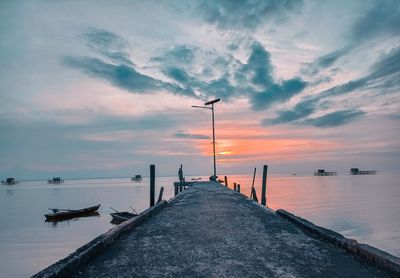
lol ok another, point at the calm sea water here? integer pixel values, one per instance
(366, 208)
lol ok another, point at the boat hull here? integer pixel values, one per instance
(119, 217)
(63, 215)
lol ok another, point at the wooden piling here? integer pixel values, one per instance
(226, 181)
(160, 195)
(234, 186)
(238, 188)
(264, 186)
(175, 189)
(152, 184)
(254, 194)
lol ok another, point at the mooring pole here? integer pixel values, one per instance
(252, 184)
(160, 195)
(175, 189)
(238, 188)
(264, 186)
(234, 186)
(152, 184)
(226, 181)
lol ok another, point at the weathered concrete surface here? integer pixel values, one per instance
(365, 251)
(211, 231)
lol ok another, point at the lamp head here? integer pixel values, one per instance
(212, 101)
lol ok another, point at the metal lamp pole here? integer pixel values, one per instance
(213, 126)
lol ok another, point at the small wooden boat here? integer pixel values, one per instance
(119, 217)
(63, 214)
(137, 178)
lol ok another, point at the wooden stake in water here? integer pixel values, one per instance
(175, 189)
(226, 181)
(234, 186)
(264, 186)
(252, 184)
(254, 193)
(152, 184)
(238, 188)
(160, 195)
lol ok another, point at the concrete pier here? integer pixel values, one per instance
(212, 231)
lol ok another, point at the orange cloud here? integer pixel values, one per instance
(239, 143)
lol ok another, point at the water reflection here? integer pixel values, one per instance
(54, 222)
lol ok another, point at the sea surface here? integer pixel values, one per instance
(366, 208)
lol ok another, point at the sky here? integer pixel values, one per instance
(105, 88)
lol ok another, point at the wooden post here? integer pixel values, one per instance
(252, 185)
(160, 195)
(238, 188)
(152, 184)
(254, 177)
(253, 191)
(226, 181)
(234, 186)
(264, 186)
(175, 189)
(180, 178)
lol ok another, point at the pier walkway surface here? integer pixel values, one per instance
(211, 231)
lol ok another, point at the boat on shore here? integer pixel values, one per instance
(137, 178)
(64, 214)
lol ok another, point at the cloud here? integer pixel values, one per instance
(123, 76)
(324, 61)
(301, 110)
(108, 44)
(258, 72)
(335, 119)
(179, 54)
(121, 71)
(383, 19)
(277, 93)
(246, 14)
(181, 134)
(253, 80)
(184, 64)
(382, 73)
(385, 74)
(259, 66)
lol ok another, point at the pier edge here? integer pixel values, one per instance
(365, 251)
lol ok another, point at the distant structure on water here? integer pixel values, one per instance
(137, 178)
(55, 180)
(356, 171)
(9, 181)
(322, 172)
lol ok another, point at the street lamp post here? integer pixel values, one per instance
(213, 127)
